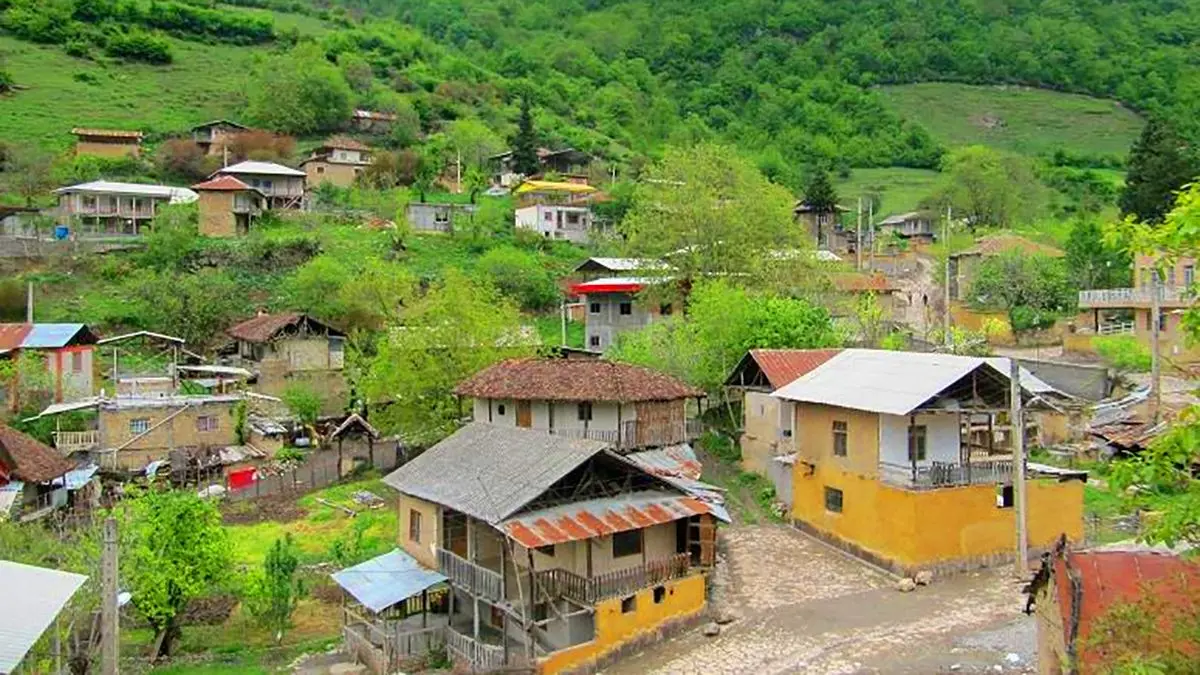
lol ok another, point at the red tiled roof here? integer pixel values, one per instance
(34, 461)
(344, 143)
(783, 366)
(854, 282)
(996, 244)
(223, 183)
(573, 380)
(12, 335)
(1109, 577)
(107, 133)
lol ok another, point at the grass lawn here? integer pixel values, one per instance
(1020, 119)
(901, 189)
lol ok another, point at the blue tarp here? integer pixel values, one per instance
(386, 580)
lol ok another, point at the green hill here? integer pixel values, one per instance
(1018, 119)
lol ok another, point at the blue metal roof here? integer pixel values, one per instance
(51, 335)
(385, 580)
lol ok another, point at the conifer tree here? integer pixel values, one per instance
(525, 158)
(1160, 163)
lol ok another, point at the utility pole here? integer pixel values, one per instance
(1155, 344)
(858, 240)
(458, 170)
(29, 302)
(949, 341)
(564, 322)
(1017, 420)
(109, 618)
(871, 225)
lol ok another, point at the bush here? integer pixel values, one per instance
(519, 275)
(720, 446)
(262, 146)
(1125, 353)
(138, 45)
(180, 158)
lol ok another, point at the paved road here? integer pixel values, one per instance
(805, 608)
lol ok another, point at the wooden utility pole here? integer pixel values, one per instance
(564, 322)
(947, 338)
(858, 240)
(1017, 420)
(1155, 345)
(871, 225)
(109, 618)
(29, 303)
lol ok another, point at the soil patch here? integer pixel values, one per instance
(279, 508)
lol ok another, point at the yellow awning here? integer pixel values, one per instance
(553, 186)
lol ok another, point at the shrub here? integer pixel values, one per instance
(720, 446)
(262, 146)
(180, 157)
(1125, 353)
(138, 45)
(519, 275)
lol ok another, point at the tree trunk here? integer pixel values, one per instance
(162, 641)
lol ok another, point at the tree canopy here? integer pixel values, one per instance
(989, 188)
(299, 92)
(1033, 288)
(1160, 163)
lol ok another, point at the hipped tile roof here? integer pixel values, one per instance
(574, 380)
(996, 244)
(266, 326)
(108, 133)
(35, 462)
(223, 183)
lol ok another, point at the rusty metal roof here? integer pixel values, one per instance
(599, 517)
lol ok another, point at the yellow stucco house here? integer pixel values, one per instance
(884, 467)
(558, 552)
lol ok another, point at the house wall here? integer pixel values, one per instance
(1172, 339)
(565, 414)
(70, 383)
(602, 327)
(425, 550)
(551, 221)
(942, 438)
(216, 213)
(179, 431)
(658, 543)
(425, 217)
(335, 173)
(114, 148)
(682, 600)
(760, 431)
(1051, 637)
(272, 185)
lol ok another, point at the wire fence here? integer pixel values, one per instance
(1106, 529)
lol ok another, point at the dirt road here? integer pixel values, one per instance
(802, 607)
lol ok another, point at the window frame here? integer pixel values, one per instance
(835, 500)
(76, 362)
(594, 341)
(625, 308)
(918, 432)
(583, 411)
(206, 423)
(627, 543)
(841, 438)
(593, 308)
(139, 425)
(414, 526)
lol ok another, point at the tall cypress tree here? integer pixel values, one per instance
(819, 193)
(1159, 164)
(525, 157)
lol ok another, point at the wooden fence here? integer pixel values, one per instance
(321, 468)
(563, 583)
(482, 657)
(477, 579)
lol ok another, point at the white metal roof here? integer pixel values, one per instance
(33, 596)
(875, 380)
(259, 168)
(625, 264)
(1030, 382)
(177, 195)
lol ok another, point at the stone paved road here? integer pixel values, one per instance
(805, 608)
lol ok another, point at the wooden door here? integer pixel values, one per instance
(524, 414)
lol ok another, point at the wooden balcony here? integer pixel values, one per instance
(565, 584)
(947, 474)
(638, 434)
(482, 657)
(76, 441)
(1117, 298)
(474, 578)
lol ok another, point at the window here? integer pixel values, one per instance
(594, 308)
(76, 362)
(665, 310)
(139, 425)
(1170, 276)
(320, 169)
(629, 605)
(916, 443)
(627, 543)
(414, 525)
(572, 218)
(441, 216)
(839, 439)
(626, 308)
(833, 500)
(585, 412)
(500, 410)
(1149, 321)
(1162, 321)
(546, 550)
(1189, 275)
(1004, 496)
(206, 423)
(550, 216)
(660, 594)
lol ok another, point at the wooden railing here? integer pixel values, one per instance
(947, 474)
(76, 441)
(464, 573)
(482, 657)
(637, 434)
(383, 645)
(1118, 328)
(1121, 297)
(562, 583)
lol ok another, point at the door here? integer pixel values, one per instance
(524, 414)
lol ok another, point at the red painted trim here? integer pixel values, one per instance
(587, 289)
(76, 348)
(58, 397)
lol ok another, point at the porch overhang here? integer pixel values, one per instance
(386, 580)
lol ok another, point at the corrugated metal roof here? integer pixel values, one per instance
(598, 517)
(488, 471)
(51, 335)
(679, 466)
(888, 382)
(385, 580)
(33, 596)
(1030, 382)
(783, 366)
(259, 168)
(12, 335)
(614, 285)
(176, 195)
(619, 264)
(554, 186)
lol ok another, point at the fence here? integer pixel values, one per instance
(322, 468)
(477, 579)
(481, 656)
(945, 474)
(559, 582)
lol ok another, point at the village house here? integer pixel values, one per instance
(104, 208)
(612, 307)
(1075, 592)
(555, 210)
(849, 286)
(568, 165)
(19, 221)
(915, 227)
(228, 207)
(372, 122)
(627, 406)
(214, 136)
(68, 349)
(884, 469)
(338, 161)
(964, 263)
(555, 553)
(107, 142)
(282, 186)
(824, 228)
(1128, 311)
(426, 217)
(293, 349)
(28, 471)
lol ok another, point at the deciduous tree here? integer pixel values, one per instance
(1032, 288)
(299, 93)
(989, 188)
(276, 590)
(1092, 261)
